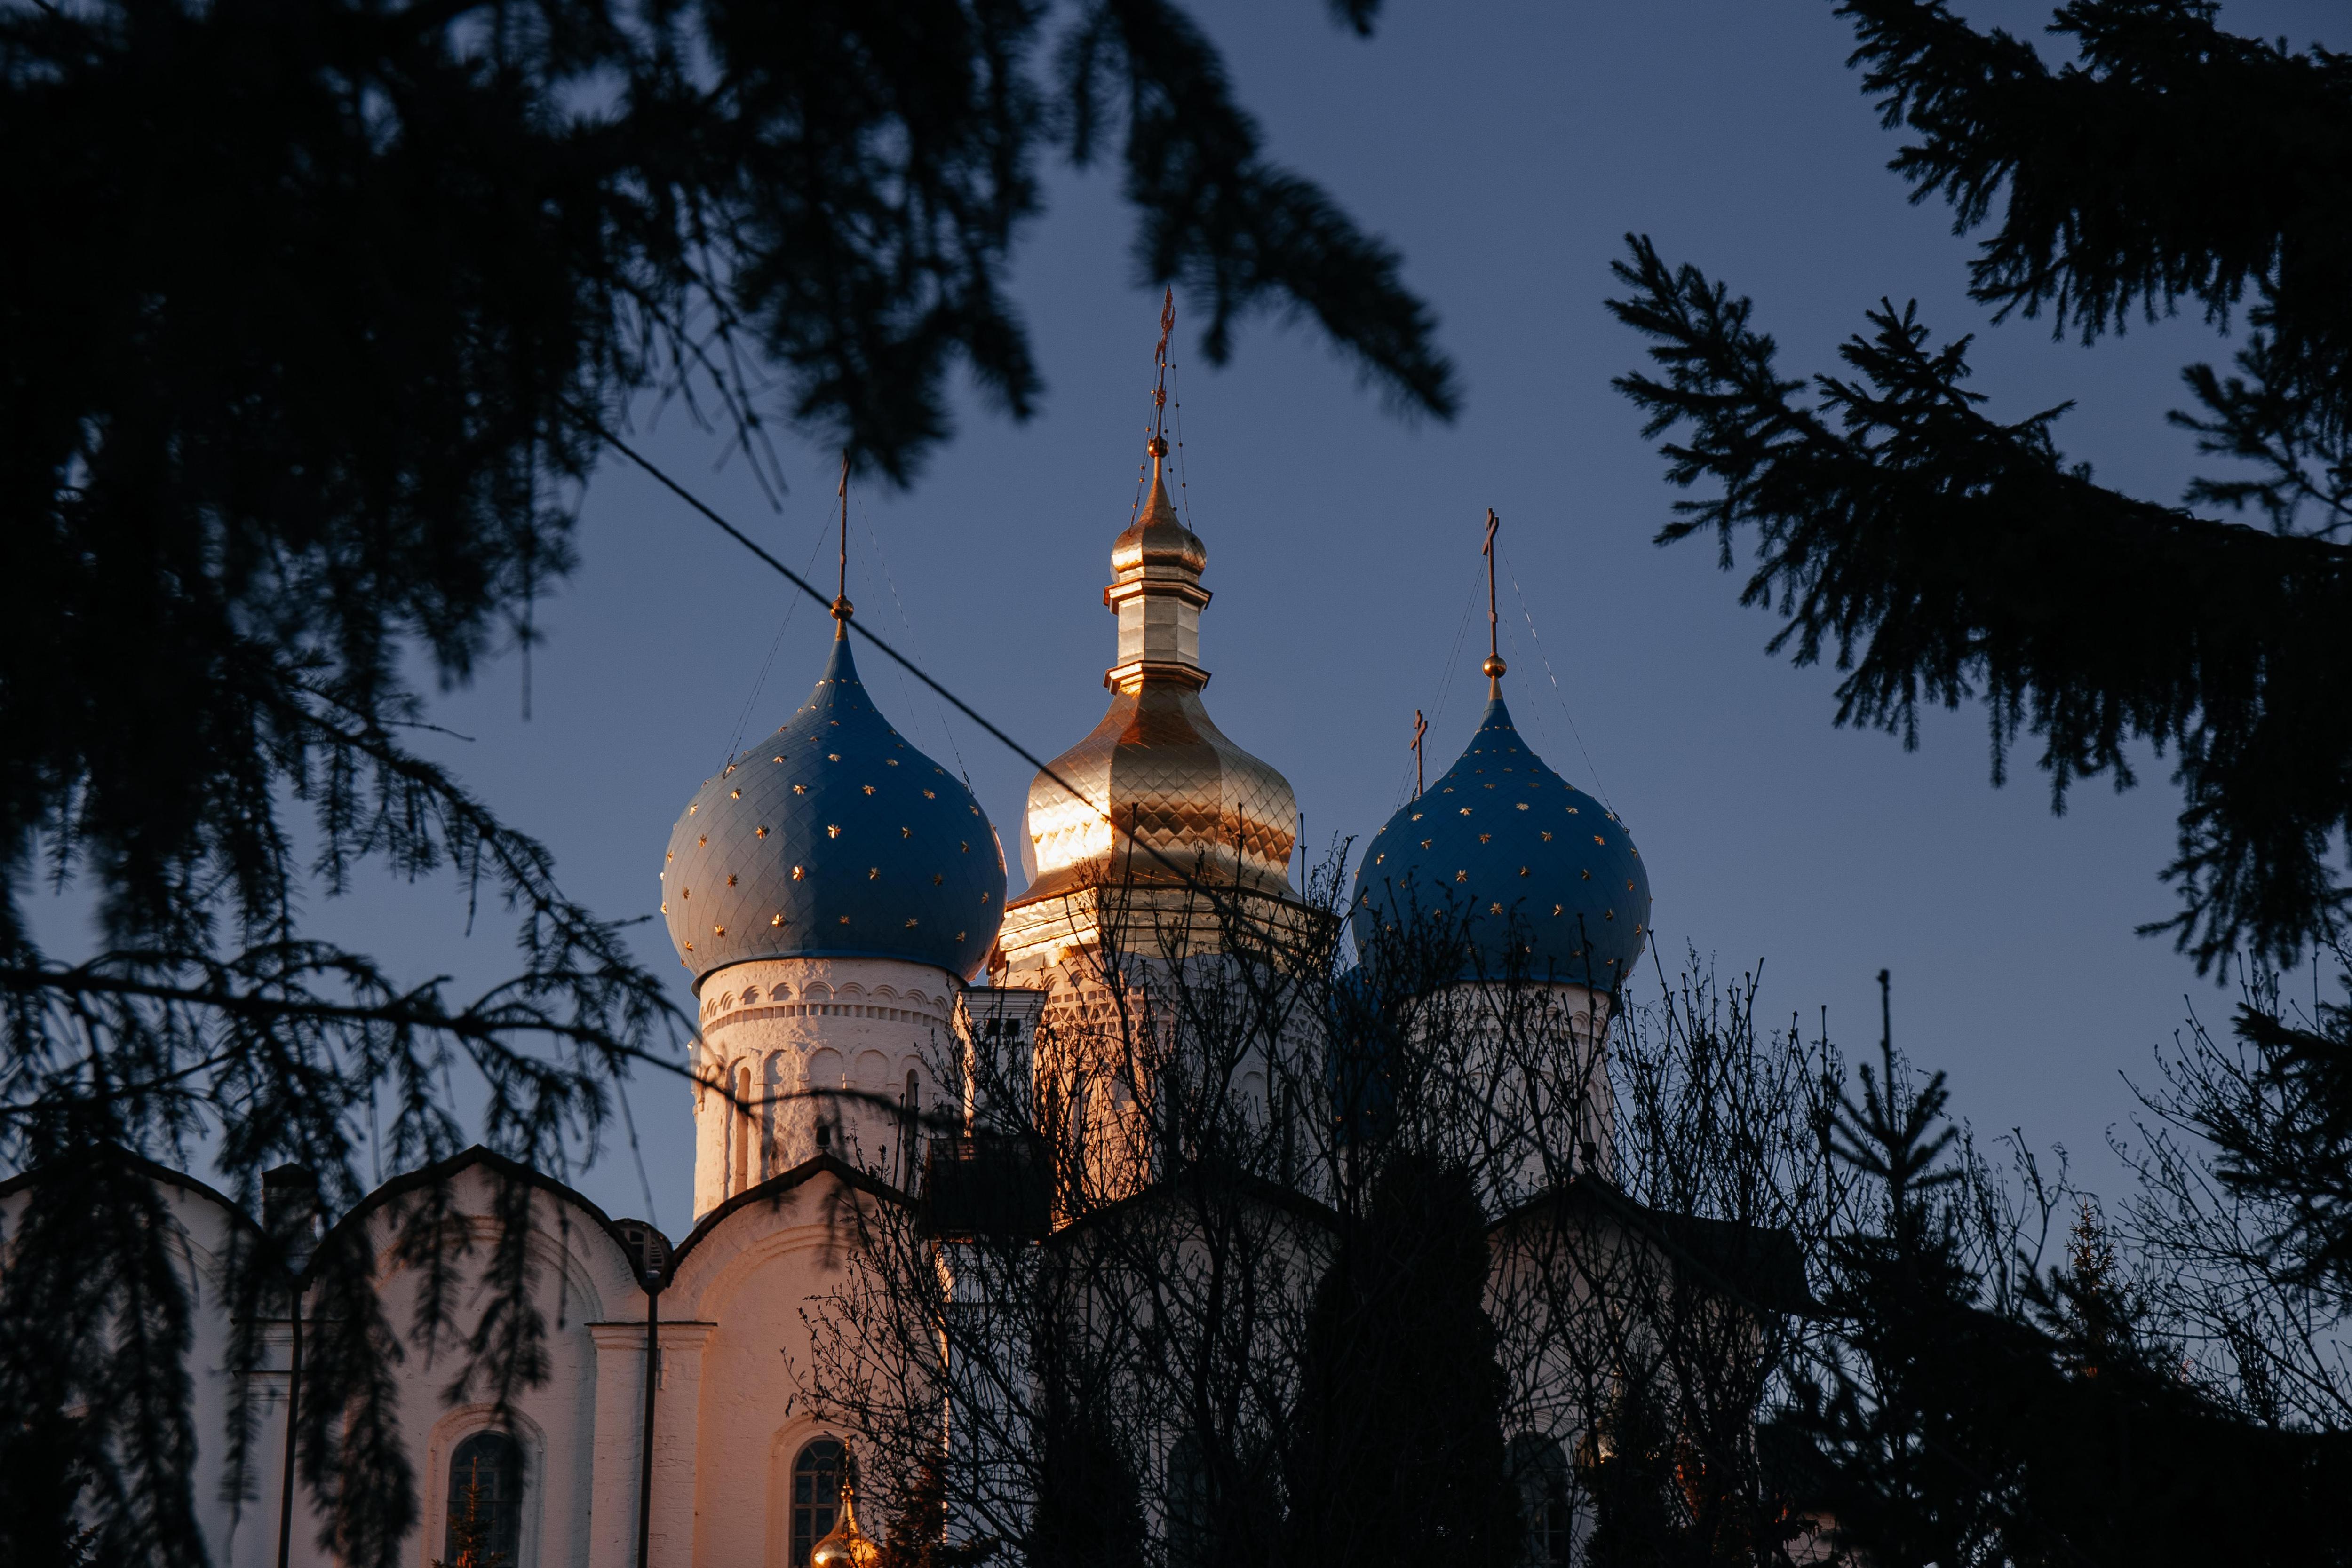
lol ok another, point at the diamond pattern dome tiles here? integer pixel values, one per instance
(1519, 855)
(834, 839)
(1169, 778)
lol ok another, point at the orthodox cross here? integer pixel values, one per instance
(1494, 667)
(1420, 728)
(1160, 365)
(841, 606)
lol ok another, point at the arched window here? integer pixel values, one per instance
(816, 1495)
(484, 1502)
(1187, 1504)
(910, 1108)
(1539, 1469)
(742, 1128)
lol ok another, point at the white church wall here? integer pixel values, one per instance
(582, 1280)
(240, 1531)
(749, 1276)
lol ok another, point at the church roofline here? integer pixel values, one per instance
(776, 1186)
(512, 1170)
(1709, 1249)
(65, 1163)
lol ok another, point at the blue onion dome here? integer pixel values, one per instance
(834, 839)
(1522, 858)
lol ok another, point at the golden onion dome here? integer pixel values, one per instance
(846, 1546)
(1156, 774)
(1157, 537)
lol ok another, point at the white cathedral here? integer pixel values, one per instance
(839, 900)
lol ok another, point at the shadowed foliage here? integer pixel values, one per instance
(1939, 554)
(318, 314)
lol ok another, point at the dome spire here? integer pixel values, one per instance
(841, 609)
(1157, 798)
(1494, 667)
(1155, 589)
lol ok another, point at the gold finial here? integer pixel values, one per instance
(847, 1546)
(1159, 386)
(841, 609)
(1420, 728)
(1493, 668)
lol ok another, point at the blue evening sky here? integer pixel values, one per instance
(1504, 149)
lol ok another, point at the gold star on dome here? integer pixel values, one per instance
(832, 831)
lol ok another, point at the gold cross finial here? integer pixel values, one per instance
(1420, 728)
(1159, 386)
(842, 608)
(1494, 666)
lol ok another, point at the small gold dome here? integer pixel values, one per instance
(847, 1546)
(1165, 795)
(1165, 777)
(1158, 536)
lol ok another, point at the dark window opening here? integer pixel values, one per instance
(816, 1495)
(1540, 1469)
(486, 1499)
(1188, 1505)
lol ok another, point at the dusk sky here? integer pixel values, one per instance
(1505, 150)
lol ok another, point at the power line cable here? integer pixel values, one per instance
(1046, 769)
